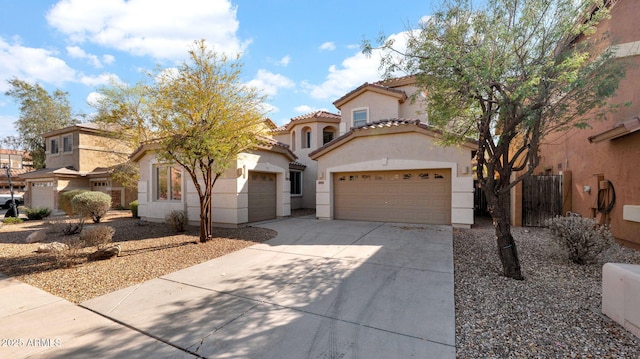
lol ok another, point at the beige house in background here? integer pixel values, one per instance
(78, 157)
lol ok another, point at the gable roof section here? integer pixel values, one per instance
(377, 87)
(384, 127)
(264, 143)
(82, 127)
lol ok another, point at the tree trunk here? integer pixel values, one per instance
(499, 207)
(205, 218)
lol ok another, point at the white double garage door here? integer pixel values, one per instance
(406, 196)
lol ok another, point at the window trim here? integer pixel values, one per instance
(64, 150)
(55, 140)
(169, 185)
(300, 185)
(353, 116)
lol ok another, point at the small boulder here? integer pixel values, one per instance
(52, 247)
(37, 236)
(105, 253)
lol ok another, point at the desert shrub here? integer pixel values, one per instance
(582, 238)
(37, 213)
(134, 208)
(12, 220)
(64, 200)
(97, 236)
(177, 219)
(69, 257)
(66, 226)
(91, 204)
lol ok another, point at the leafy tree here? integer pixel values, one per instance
(11, 143)
(199, 115)
(40, 112)
(509, 74)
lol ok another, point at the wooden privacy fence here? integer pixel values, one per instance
(541, 199)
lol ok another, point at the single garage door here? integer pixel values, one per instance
(42, 195)
(411, 196)
(262, 196)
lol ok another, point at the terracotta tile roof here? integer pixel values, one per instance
(316, 114)
(297, 165)
(321, 114)
(397, 81)
(382, 124)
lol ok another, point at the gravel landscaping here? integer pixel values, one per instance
(148, 250)
(553, 313)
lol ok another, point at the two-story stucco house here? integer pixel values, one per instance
(378, 160)
(78, 157)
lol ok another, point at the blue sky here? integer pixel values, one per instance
(303, 54)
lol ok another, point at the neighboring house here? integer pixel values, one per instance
(78, 157)
(601, 161)
(15, 161)
(254, 188)
(385, 163)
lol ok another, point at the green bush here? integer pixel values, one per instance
(91, 204)
(37, 213)
(582, 238)
(134, 208)
(64, 200)
(12, 220)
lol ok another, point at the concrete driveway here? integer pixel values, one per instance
(320, 289)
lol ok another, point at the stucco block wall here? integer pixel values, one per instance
(614, 159)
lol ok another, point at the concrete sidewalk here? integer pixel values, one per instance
(334, 289)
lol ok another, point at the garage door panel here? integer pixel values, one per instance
(262, 196)
(411, 196)
(42, 195)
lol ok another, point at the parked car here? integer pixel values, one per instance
(5, 200)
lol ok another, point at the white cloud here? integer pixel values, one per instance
(32, 65)
(108, 59)
(269, 83)
(79, 53)
(268, 108)
(328, 46)
(163, 29)
(102, 79)
(352, 72)
(304, 109)
(94, 98)
(285, 60)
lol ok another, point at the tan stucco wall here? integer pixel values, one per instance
(397, 152)
(379, 106)
(615, 159)
(230, 192)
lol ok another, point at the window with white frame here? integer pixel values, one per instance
(54, 148)
(295, 178)
(360, 117)
(67, 143)
(167, 183)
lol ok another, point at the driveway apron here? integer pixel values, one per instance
(320, 289)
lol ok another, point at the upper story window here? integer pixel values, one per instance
(306, 137)
(67, 143)
(167, 183)
(328, 134)
(54, 146)
(360, 117)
